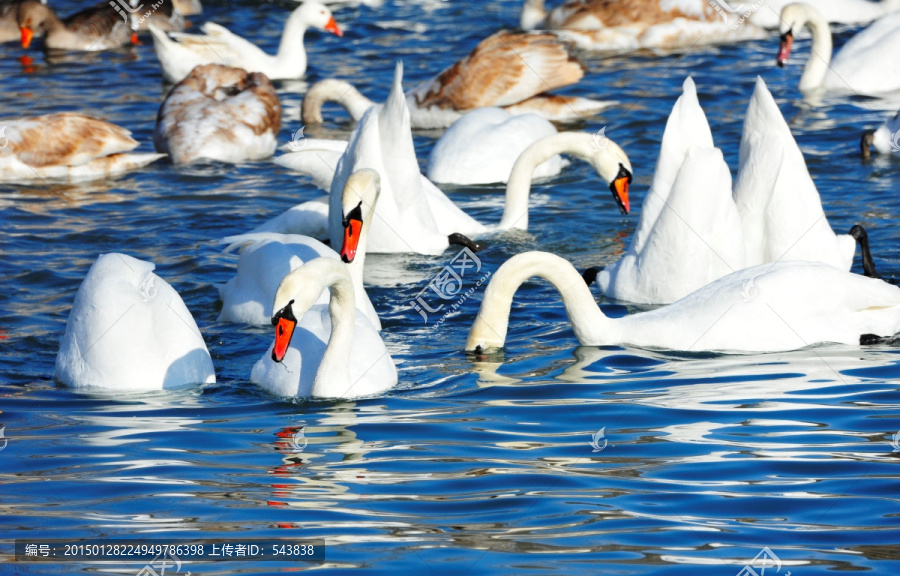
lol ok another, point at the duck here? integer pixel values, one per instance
(93, 29)
(621, 27)
(483, 145)
(219, 113)
(9, 24)
(854, 12)
(179, 53)
(511, 70)
(323, 350)
(129, 330)
(860, 66)
(772, 307)
(415, 216)
(885, 139)
(67, 146)
(697, 226)
(267, 257)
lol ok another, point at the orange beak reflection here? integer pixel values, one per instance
(619, 188)
(27, 35)
(284, 322)
(333, 27)
(784, 52)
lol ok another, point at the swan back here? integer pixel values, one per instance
(795, 224)
(129, 330)
(686, 127)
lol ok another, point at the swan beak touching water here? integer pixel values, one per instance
(352, 231)
(332, 27)
(619, 188)
(784, 52)
(284, 322)
(27, 35)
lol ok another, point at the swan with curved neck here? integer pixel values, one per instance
(767, 308)
(183, 52)
(245, 297)
(413, 215)
(857, 68)
(353, 363)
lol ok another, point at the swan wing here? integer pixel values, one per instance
(503, 69)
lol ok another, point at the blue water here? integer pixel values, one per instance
(466, 467)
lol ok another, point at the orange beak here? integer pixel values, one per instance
(619, 189)
(27, 35)
(333, 27)
(134, 39)
(352, 230)
(284, 323)
(784, 52)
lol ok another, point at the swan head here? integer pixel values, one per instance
(33, 17)
(533, 14)
(318, 16)
(793, 18)
(613, 165)
(358, 206)
(299, 290)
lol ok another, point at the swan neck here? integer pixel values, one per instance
(591, 326)
(820, 52)
(290, 49)
(337, 91)
(577, 144)
(334, 371)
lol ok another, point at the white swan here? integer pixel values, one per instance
(129, 330)
(885, 140)
(768, 308)
(693, 229)
(865, 64)
(512, 70)
(413, 215)
(219, 113)
(768, 15)
(181, 53)
(627, 26)
(267, 257)
(482, 147)
(66, 146)
(353, 363)
(783, 219)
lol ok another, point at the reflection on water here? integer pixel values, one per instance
(480, 464)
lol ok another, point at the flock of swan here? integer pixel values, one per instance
(743, 264)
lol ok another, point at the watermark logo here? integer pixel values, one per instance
(3, 440)
(448, 284)
(759, 564)
(596, 438)
(147, 289)
(298, 140)
(723, 8)
(4, 141)
(159, 565)
(128, 12)
(599, 140)
(895, 441)
(298, 441)
(895, 140)
(749, 291)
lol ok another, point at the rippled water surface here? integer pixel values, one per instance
(467, 466)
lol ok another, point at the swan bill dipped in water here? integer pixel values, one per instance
(767, 308)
